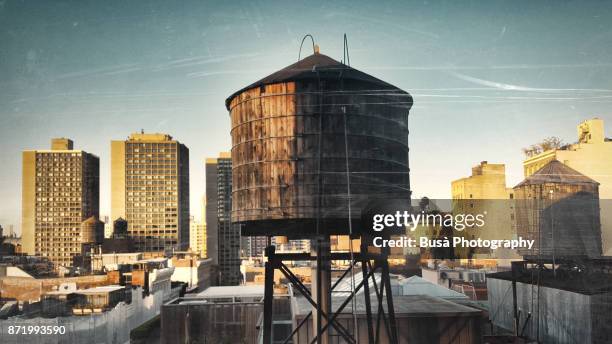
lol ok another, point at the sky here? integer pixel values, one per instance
(487, 77)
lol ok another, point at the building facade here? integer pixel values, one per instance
(298, 245)
(61, 190)
(591, 156)
(223, 238)
(253, 246)
(485, 192)
(189, 268)
(150, 190)
(197, 237)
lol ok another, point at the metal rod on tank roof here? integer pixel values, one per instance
(552, 229)
(316, 243)
(346, 59)
(350, 216)
(301, 44)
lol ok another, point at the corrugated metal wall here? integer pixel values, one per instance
(211, 323)
(565, 317)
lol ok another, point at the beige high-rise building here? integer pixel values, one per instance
(488, 181)
(197, 237)
(60, 201)
(485, 192)
(591, 156)
(150, 189)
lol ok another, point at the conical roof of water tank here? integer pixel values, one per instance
(314, 67)
(556, 172)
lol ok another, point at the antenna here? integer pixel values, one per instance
(314, 50)
(347, 58)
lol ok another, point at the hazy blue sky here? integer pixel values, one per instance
(488, 77)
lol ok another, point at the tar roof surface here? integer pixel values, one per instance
(230, 291)
(405, 306)
(308, 67)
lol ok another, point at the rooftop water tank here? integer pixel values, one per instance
(291, 132)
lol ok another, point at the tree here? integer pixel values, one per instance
(424, 204)
(551, 142)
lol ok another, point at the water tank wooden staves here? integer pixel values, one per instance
(558, 208)
(289, 154)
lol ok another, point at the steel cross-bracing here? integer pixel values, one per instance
(370, 263)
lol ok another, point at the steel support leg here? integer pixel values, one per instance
(268, 295)
(390, 307)
(366, 293)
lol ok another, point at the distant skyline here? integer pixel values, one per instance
(488, 78)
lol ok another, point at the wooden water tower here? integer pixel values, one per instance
(558, 208)
(316, 147)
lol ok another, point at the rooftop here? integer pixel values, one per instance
(313, 67)
(101, 289)
(150, 137)
(416, 285)
(135, 254)
(232, 291)
(152, 260)
(93, 290)
(222, 155)
(405, 306)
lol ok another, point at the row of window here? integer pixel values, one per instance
(140, 223)
(139, 189)
(137, 227)
(157, 193)
(54, 155)
(63, 220)
(150, 148)
(61, 217)
(144, 213)
(46, 180)
(61, 172)
(64, 232)
(150, 181)
(57, 202)
(56, 191)
(160, 165)
(150, 174)
(148, 157)
(164, 233)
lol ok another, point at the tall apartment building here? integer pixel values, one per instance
(197, 237)
(108, 227)
(298, 245)
(591, 156)
(485, 192)
(254, 246)
(60, 201)
(150, 190)
(223, 238)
